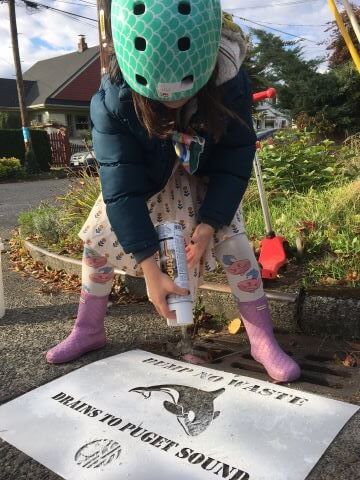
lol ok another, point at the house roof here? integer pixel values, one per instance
(51, 75)
(271, 110)
(8, 92)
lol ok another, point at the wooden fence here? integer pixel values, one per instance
(62, 149)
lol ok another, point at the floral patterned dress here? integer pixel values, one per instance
(178, 202)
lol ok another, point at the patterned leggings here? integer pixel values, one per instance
(235, 255)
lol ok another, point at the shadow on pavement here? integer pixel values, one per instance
(39, 314)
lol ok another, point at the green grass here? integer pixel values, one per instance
(314, 194)
(328, 222)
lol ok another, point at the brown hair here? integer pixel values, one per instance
(160, 121)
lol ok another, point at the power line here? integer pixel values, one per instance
(4, 60)
(85, 4)
(271, 5)
(73, 16)
(293, 24)
(276, 30)
(36, 4)
(89, 3)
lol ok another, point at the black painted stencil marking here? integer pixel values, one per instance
(193, 408)
(98, 453)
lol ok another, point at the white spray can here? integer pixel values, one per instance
(2, 300)
(173, 263)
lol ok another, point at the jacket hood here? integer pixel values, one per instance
(232, 52)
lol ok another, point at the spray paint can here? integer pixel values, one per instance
(2, 300)
(173, 263)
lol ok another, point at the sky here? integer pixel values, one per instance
(45, 34)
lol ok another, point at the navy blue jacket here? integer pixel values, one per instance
(134, 167)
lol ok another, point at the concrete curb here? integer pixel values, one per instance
(316, 312)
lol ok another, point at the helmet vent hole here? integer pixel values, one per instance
(184, 8)
(187, 82)
(141, 80)
(139, 8)
(140, 44)
(184, 44)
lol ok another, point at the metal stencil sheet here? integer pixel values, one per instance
(142, 416)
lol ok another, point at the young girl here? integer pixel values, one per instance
(173, 135)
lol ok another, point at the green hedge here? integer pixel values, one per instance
(12, 145)
(42, 149)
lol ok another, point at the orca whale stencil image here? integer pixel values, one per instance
(193, 408)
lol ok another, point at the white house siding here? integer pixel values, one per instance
(270, 118)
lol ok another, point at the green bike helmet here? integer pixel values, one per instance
(166, 49)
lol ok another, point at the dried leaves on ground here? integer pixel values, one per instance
(55, 282)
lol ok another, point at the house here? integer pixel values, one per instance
(267, 116)
(58, 90)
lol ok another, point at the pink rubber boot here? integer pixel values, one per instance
(264, 347)
(88, 332)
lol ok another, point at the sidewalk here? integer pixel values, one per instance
(35, 321)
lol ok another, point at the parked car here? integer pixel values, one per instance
(84, 160)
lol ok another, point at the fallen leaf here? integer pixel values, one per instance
(234, 326)
(349, 361)
(330, 281)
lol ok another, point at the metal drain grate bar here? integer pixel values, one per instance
(320, 372)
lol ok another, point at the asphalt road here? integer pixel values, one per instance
(19, 197)
(35, 321)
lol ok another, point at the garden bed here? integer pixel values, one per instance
(314, 195)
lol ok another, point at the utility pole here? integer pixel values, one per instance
(19, 77)
(104, 8)
(353, 19)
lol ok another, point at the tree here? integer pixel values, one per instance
(338, 51)
(10, 120)
(331, 98)
(280, 63)
(345, 109)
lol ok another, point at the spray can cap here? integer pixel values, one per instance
(184, 314)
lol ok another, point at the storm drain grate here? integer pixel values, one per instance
(321, 372)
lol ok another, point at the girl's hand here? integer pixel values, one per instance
(199, 243)
(159, 286)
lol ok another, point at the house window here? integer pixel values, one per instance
(82, 122)
(269, 122)
(38, 118)
(70, 125)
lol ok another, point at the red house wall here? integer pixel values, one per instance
(83, 87)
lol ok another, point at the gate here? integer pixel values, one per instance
(62, 149)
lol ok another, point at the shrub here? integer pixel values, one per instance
(44, 222)
(295, 163)
(60, 224)
(80, 199)
(10, 168)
